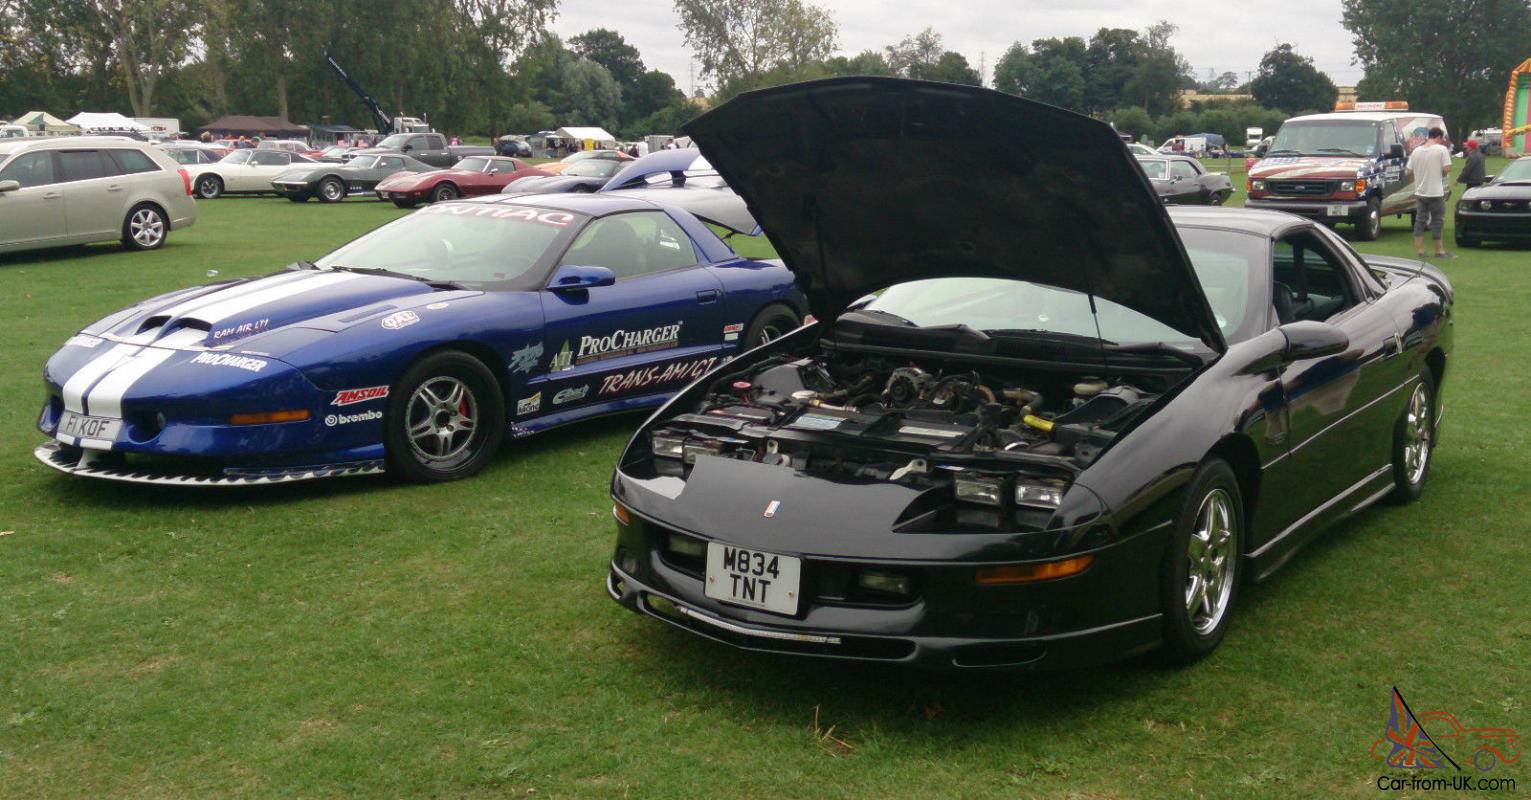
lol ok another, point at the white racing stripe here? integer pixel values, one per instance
(105, 398)
(80, 382)
(237, 305)
(223, 295)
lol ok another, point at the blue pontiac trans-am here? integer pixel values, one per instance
(418, 347)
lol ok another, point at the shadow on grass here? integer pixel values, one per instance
(71, 252)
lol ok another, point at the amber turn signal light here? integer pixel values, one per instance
(621, 514)
(266, 417)
(1031, 573)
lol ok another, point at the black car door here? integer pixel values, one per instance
(1185, 180)
(1339, 416)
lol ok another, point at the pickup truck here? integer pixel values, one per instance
(430, 148)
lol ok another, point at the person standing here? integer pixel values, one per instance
(1428, 167)
(1473, 167)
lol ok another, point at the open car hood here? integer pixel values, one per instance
(862, 183)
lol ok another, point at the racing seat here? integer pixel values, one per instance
(1286, 305)
(613, 245)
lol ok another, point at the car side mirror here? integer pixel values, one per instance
(1486, 179)
(1395, 151)
(9, 186)
(568, 278)
(1295, 341)
(1260, 151)
(406, 148)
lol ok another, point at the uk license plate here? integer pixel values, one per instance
(1337, 211)
(98, 432)
(752, 578)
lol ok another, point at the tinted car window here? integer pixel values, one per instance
(271, 158)
(1311, 276)
(433, 142)
(131, 162)
(84, 165)
(633, 244)
(391, 162)
(32, 169)
(1182, 169)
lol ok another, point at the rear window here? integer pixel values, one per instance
(131, 162)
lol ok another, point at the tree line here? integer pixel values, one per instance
(491, 66)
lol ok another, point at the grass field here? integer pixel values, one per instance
(361, 638)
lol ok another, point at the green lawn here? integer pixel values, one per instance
(361, 638)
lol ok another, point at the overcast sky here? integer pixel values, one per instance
(1219, 36)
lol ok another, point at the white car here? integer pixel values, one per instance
(1139, 149)
(242, 172)
(81, 189)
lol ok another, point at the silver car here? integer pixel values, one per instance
(82, 189)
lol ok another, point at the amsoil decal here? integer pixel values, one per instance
(332, 420)
(400, 319)
(557, 219)
(731, 332)
(622, 343)
(226, 360)
(656, 375)
(527, 357)
(348, 397)
(529, 405)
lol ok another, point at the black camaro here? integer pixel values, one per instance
(1067, 428)
(1499, 210)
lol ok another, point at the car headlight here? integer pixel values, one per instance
(1485, 204)
(884, 582)
(984, 491)
(1038, 494)
(1347, 186)
(1257, 186)
(667, 446)
(1464, 205)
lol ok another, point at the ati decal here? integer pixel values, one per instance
(241, 330)
(656, 375)
(348, 397)
(527, 357)
(570, 394)
(621, 343)
(400, 319)
(331, 420)
(82, 341)
(557, 219)
(731, 332)
(225, 360)
(562, 360)
(529, 405)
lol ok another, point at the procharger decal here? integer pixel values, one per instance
(529, 405)
(656, 375)
(557, 219)
(731, 332)
(332, 420)
(400, 319)
(350, 397)
(228, 360)
(620, 343)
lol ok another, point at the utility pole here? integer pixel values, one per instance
(983, 71)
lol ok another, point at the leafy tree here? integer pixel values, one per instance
(1133, 120)
(669, 119)
(915, 55)
(610, 50)
(1012, 72)
(868, 62)
(1288, 80)
(1155, 82)
(952, 67)
(1057, 72)
(653, 91)
(588, 95)
(737, 41)
(530, 117)
(1111, 59)
(1446, 56)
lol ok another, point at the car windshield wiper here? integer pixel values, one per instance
(1340, 150)
(297, 265)
(1284, 150)
(888, 314)
(432, 282)
(1161, 348)
(1038, 333)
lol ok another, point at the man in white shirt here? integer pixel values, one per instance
(1428, 167)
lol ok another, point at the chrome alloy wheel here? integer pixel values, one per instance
(442, 417)
(1417, 432)
(331, 190)
(1210, 560)
(146, 227)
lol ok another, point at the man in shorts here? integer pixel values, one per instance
(1428, 167)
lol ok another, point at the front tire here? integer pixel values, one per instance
(1368, 228)
(144, 228)
(773, 322)
(444, 192)
(331, 190)
(209, 187)
(1414, 442)
(1218, 198)
(445, 419)
(1199, 577)
(406, 203)
(298, 198)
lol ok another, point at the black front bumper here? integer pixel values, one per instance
(1355, 210)
(1104, 614)
(1493, 226)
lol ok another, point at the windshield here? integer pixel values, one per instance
(1518, 170)
(237, 157)
(471, 164)
(469, 244)
(362, 162)
(1327, 137)
(594, 168)
(1155, 170)
(1224, 262)
(395, 142)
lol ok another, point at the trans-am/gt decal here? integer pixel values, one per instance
(226, 360)
(527, 357)
(622, 343)
(347, 397)
(656, 375)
